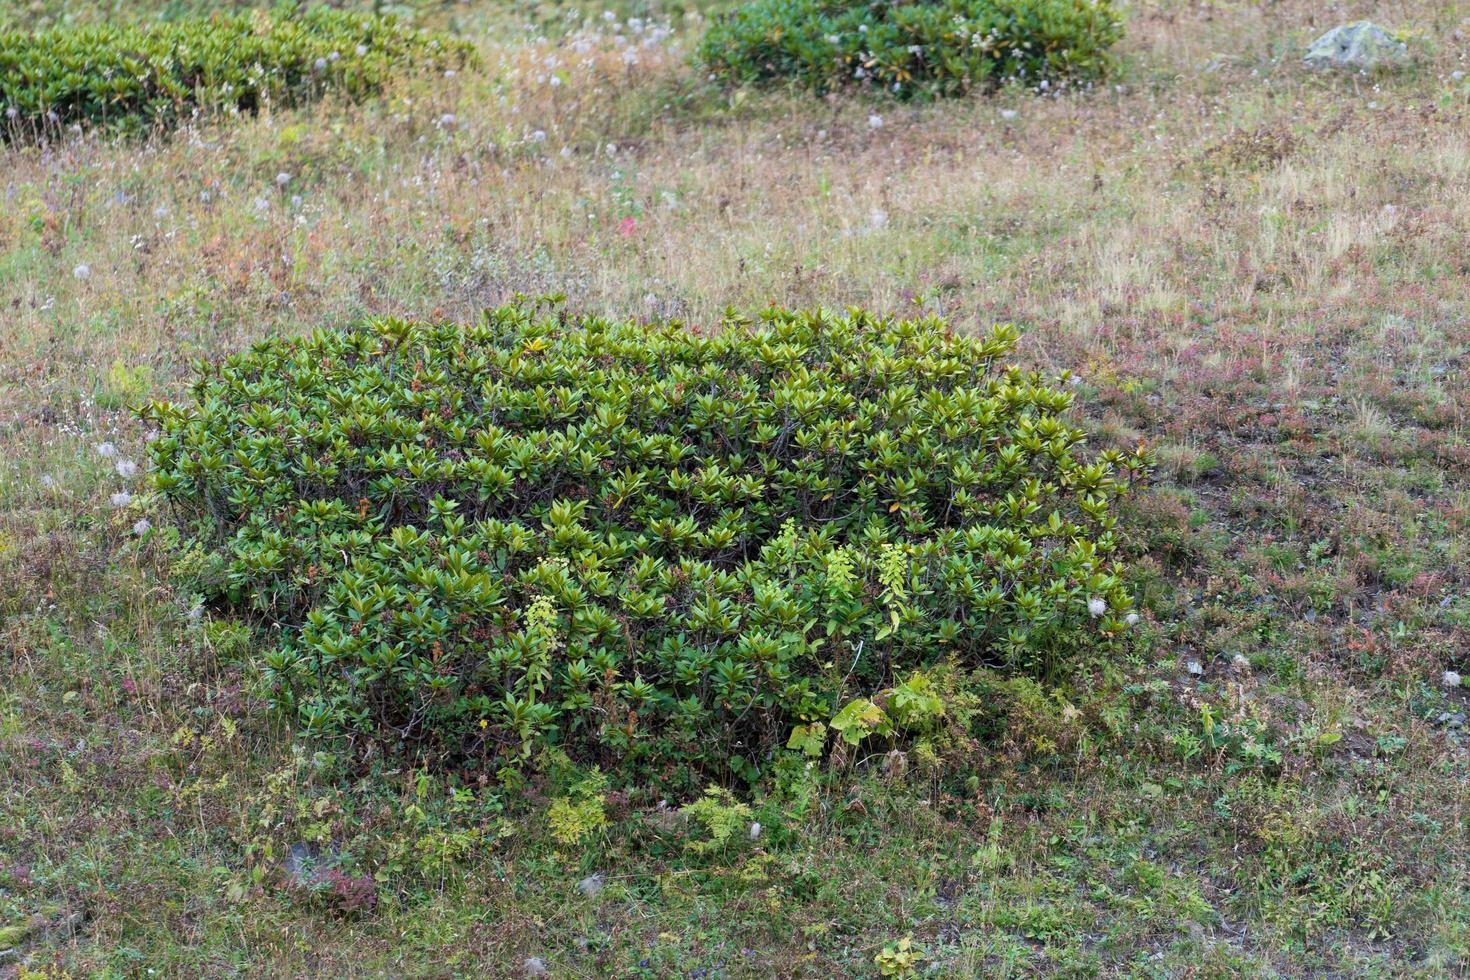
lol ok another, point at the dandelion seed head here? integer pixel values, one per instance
(1096, 607)
(121, 499)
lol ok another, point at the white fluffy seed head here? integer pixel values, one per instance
(1096, 607)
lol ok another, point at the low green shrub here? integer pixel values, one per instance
(925, 48)
(654, 548)
(141, 78)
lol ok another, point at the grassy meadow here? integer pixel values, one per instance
(1261, 271)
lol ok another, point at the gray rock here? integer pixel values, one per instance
(1361, 46)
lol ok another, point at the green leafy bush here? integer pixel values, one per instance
(144, 77)
(655, 548)
(925, 48)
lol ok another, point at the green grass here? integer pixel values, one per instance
(1290, 333)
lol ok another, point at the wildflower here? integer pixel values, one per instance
(83, 271)
(48, 481)
(755, 830)
(1008, 113)
(484, 724)
(877, 218)
(106, 450)
(539, 136)
(142, 526)
(121, 499)
(195, 613)
(1131, 619)
(320, 64)
(1240, 662)
(554, 81)
(875, 121)
(282, 179)
(361, 50)
(1450, 678)
(126, 468)
(261, 204)
(1096, 607)
(12, 112)
(296, 200)
(566, 152)
(628, 227)
(448, 120)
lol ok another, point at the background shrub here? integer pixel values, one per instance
(944, 47)
(655, 548)
(155, 76)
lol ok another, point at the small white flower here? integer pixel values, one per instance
(448, 120)
(1240, 662)
(333, 56)
(833, 39)
(1450, 678)
(449, 73)
(296, 200)
(877, 218)
(320, 64)
(282, 179)
(1131, 619)
(1008, 113)
(12, 112)
(875, 121)
(566, 152)
(106, 450)
(539, 136)
(83, 271)
(126, 468)
(755, 830)
(1096, 607)
(48, 481)
(142, 526)
(612, 149)
(554, 81)
(361, 50)
(261, 204)
(121, 499)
